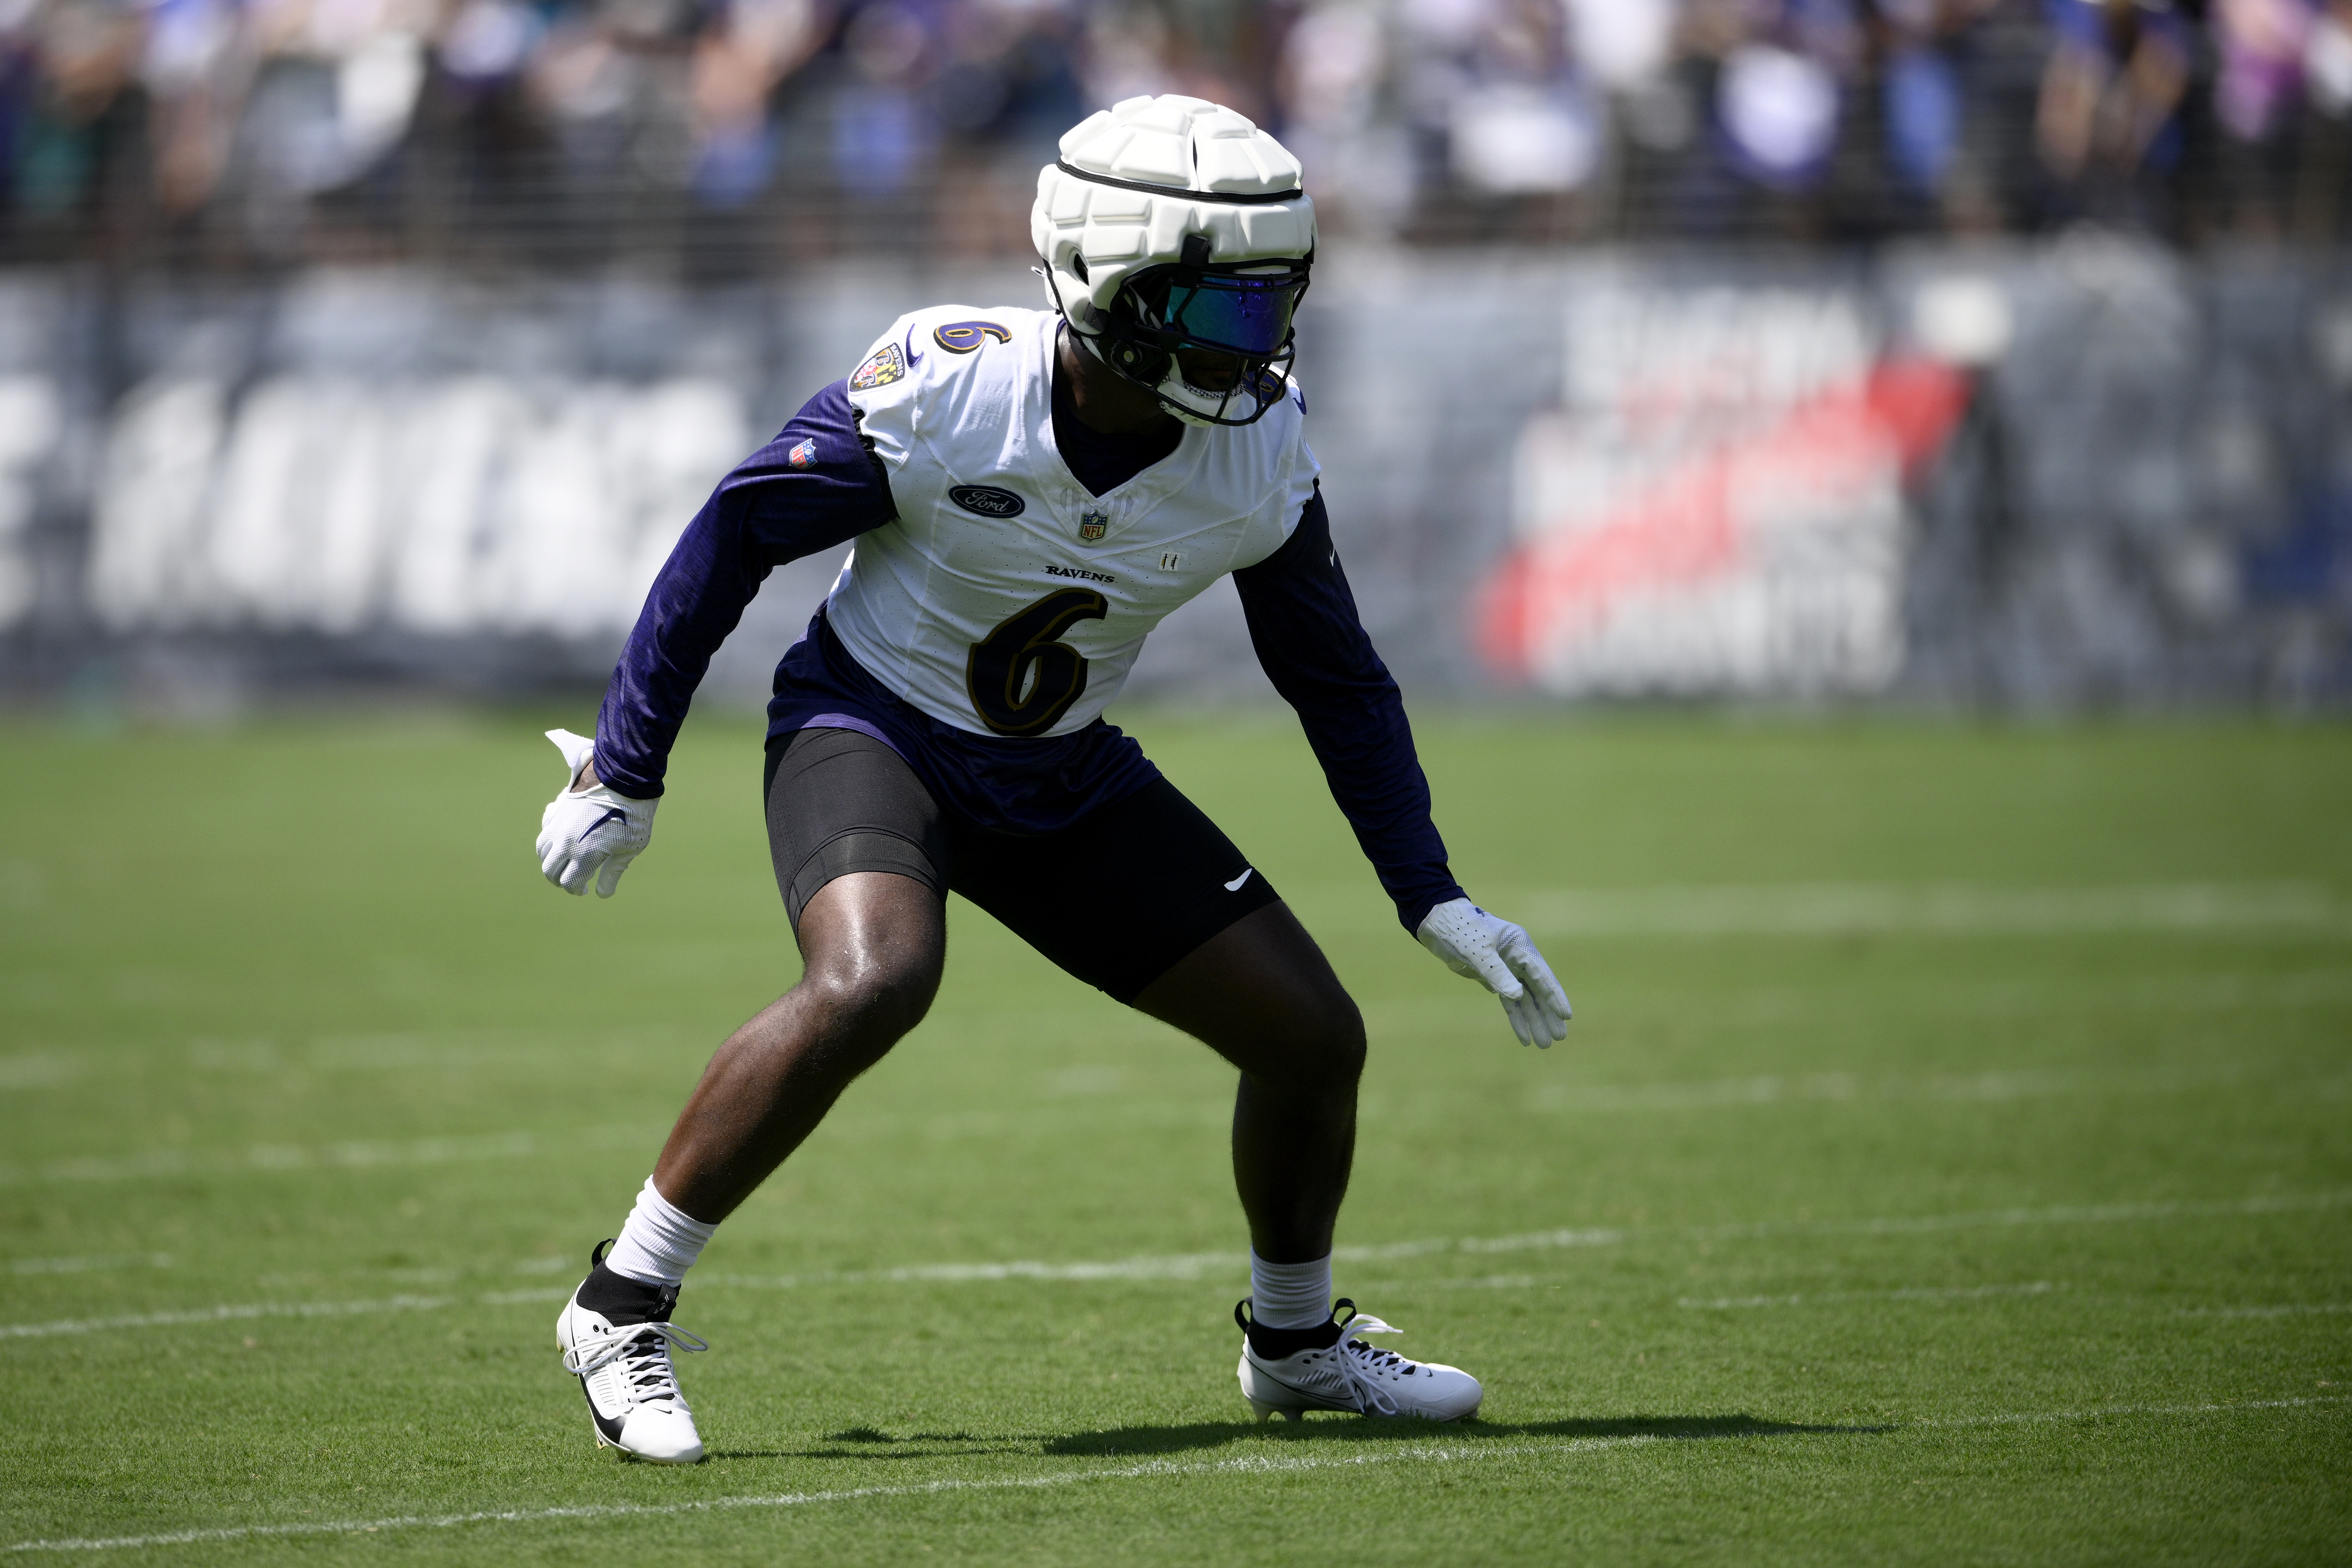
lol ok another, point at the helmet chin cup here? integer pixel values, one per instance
(1259, 385)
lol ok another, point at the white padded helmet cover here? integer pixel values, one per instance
(1200, 151)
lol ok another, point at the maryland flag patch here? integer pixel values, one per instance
(883, 366)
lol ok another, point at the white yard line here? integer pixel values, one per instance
(2283, 1311)
(1946, 910)
(1911, 1293)
(2072, 1214)
(1178, 1265)
(545, 1296)
(2023, 1418)
(38, 1069)
(351, 1154)
(1412, 1453)
(1154, 1469)
(223, 1315)
(1458, 1282)
(1846, 1088)
(1570, 1099)
(90, 1264)
(1197, 1265)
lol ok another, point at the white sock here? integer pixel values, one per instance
(660, 1242)
(1290, 1295)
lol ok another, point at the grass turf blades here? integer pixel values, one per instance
(1947, 1163)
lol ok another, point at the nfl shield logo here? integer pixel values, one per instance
(802, 456)
(1093, 525)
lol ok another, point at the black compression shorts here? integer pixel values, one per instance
(1116, 898)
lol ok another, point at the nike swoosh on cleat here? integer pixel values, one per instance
(1236, 884)
(610, 812)
(1323, 1400)
(608, 1427)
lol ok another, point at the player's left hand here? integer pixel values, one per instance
(590, 833)
(1498, 956)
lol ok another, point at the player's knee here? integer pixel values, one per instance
(875, 997)
(1321, 1041)
(1340, 1038)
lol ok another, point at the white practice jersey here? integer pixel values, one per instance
(1007, 599)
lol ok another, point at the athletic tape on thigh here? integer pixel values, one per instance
(860, 849)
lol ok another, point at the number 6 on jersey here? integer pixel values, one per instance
(1022, 680)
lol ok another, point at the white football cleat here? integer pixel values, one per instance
(615, 1333)
(1325, 1368)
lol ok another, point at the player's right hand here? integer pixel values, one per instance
(590, 833)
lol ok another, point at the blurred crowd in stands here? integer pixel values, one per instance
(739, 134)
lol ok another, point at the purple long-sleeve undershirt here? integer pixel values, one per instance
(770, 510)
(774, 508)
(1311, 643)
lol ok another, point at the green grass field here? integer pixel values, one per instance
(1949, 1163)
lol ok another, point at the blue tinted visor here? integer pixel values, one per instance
(1243, 315)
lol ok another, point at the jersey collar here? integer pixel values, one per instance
(1122, 506)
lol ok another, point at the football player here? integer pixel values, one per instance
(1029, 492)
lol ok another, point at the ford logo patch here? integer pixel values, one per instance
(987, 500)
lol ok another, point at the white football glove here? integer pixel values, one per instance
(1497, 955)
(590, 833)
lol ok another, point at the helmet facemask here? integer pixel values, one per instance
(1213, 342)
(1127, 223)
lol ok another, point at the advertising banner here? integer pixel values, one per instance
(2049, 476)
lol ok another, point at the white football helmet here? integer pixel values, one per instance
(1176, 238)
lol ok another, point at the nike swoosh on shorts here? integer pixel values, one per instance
(1236, 884)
